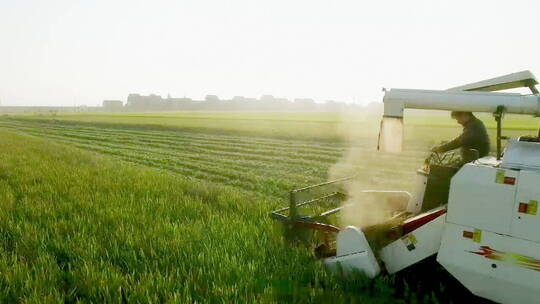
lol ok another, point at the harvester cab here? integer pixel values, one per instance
(479, 219)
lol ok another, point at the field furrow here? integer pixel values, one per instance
(248, 141)
(264, 166)
(249, 160)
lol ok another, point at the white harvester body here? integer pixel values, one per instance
(354, 253)
(491, 242)
(488, 238)
(488, 234)
(413, 247)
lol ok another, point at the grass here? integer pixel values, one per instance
(283, 125)
(264, 166)
(296, 125)
(161, 209)
(77, 226)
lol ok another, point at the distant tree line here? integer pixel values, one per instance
(152, 102)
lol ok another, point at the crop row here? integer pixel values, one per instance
(266, 166)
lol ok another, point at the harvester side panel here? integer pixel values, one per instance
(526, 221)
(483, 196)
(414, 246)
(494, 266)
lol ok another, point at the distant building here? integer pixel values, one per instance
(177, 103)
(281, 100)
(140, 102)
(182, 99)
(113, 105)
(304, 101)
(211, 98)
(238, 98)
(153, 102)
(267, 98)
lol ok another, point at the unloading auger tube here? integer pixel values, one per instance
(396, 100)
(472, 97)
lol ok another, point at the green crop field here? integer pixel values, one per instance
(136, 207)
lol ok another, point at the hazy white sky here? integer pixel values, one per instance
(66, 52)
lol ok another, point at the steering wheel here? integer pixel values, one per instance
(441, 159)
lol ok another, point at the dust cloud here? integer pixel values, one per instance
(366, 208)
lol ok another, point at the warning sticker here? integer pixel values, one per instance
(468, 234)
(532, 207)
(410, 241)
(477, 235)
(509, 180)
(499, 176)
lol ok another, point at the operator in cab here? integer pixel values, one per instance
(474, 141)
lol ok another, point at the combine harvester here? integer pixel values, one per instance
(481, 219)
